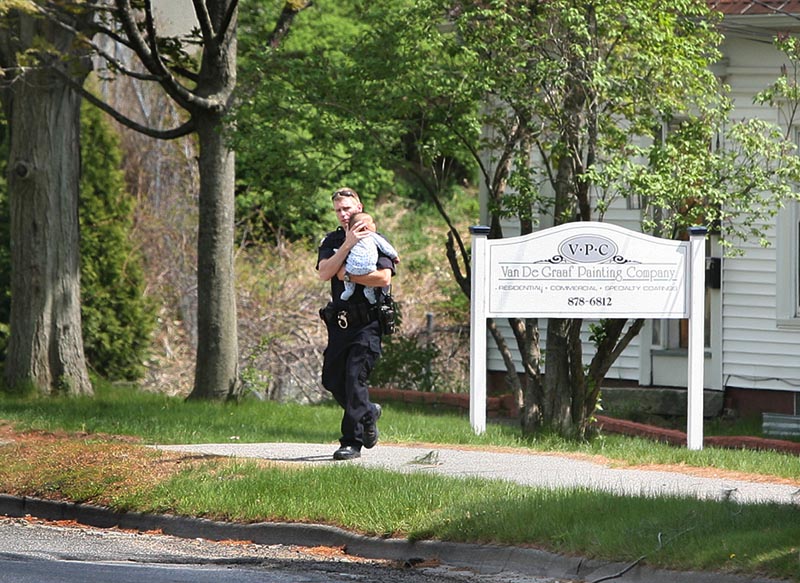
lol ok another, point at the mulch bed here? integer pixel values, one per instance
(675, 437)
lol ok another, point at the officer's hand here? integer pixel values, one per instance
(356, 233)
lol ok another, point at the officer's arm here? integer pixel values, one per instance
(377, 278)
(333, 265)
(329, 267)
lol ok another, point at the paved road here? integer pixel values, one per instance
(33, 551)
(530, 469)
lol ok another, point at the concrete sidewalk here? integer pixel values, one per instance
(530, 469)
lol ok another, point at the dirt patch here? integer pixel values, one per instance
(81, 467)
(9, 435)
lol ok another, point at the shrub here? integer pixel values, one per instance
(117, 317)
(406, 363)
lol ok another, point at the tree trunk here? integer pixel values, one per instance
(46, 346)
(564, 380)
(557, 378)
(217, 364)
(216, 370)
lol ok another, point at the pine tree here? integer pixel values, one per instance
(117, 317)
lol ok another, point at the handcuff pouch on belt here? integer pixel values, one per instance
(362, 314)
(351, 316)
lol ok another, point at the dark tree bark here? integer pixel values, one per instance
(46, 346)
(216, 366)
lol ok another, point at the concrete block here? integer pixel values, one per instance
(656, 401)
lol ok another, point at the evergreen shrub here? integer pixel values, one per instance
(118, 319)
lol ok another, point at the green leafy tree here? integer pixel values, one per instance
(117, 317)
(576, 97)
(298, 136)
(341, 101)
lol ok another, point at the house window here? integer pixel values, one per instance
(674, 334)
(788, 267)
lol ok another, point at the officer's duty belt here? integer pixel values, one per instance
(353, 316)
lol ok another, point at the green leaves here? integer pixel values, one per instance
(117, 318)
(10, 5)
(304, 125)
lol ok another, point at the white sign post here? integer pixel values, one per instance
(588, 270)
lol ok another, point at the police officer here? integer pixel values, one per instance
(354, 335)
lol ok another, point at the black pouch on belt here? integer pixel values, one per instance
(327, 314)
(354, 315)
(387, 315)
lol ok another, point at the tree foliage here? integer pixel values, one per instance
(117, 318)
(596, 101)
(581, 104)
(298, 132)
(347, 104)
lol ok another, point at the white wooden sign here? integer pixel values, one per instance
(607, 272)
(588, 270)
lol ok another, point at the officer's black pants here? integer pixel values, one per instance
(347, 363)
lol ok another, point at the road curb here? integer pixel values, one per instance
(484, 559)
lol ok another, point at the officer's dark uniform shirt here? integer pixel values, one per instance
(327, 249)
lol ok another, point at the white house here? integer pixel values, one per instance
(753, 301)
(755, 348)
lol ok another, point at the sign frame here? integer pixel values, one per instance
(588, 269)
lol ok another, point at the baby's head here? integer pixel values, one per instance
(363, 217)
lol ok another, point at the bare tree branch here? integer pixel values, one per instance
(224, 28)
(150, 27)
(55, 17)
(290, 10)
(206, 26)
(179, 132)
(147, 53)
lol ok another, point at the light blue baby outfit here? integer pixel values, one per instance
(363, 259)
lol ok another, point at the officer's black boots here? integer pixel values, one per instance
(371, 428)
(346, 452)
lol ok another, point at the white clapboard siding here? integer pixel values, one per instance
(628, 218)
(756, 353)
(740, 305)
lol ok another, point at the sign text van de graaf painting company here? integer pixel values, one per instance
(571, 272)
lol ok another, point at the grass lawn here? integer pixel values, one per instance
(91, 450)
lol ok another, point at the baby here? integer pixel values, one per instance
(363, 257)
